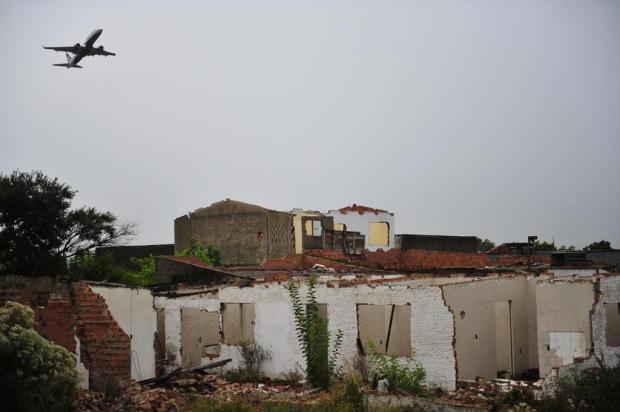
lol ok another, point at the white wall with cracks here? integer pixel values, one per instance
(607, 291)
(432, 324)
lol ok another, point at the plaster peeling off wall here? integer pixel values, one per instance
(132, 309)
(568, 345)
(82, 371)
(609, 289)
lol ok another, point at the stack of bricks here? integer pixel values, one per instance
(105, 348)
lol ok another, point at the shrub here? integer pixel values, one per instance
(406, 375)
(352, 394)
(89, 266)
(313, 336)
(253, 357)
(35, 375)
(210, 255)
(596, 389)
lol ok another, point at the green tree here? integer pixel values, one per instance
(484, 245)
(544, 246)
(90, 266)
(602, 245)
(35, 375)
(210, 255)
(38, 229)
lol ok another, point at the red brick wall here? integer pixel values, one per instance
(105, 348)
(64, 310)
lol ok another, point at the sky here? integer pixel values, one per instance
(487, 118)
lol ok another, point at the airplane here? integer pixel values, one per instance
(79, 51)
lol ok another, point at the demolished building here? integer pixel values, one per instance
(460, 326)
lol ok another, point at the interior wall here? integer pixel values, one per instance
(563, 310)
(473, 305)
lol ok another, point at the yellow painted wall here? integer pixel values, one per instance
(379, 234)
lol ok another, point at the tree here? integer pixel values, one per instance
(39, 231)
(484, 245)
(602, 245)
(35, 375)
(544, 246)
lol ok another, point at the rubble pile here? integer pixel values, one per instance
(213, 386)
(134, 397)
(483, 391)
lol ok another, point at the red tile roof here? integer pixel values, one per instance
(190, 260)
(361, 209)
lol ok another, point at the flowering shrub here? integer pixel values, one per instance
(35, 375)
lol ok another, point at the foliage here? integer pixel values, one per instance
(39, 231)
(602, 245)
(35, 375)
(352, 394)
(210, 255)
(484, 245)
(406, 375)
(292, 376)
(563, 247)
(596, 389)
(103, 268)
(544, 246)
(253, 356)
(313, 336)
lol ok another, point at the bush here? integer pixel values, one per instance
(406, 375)
(253, 357)
(313, 336)
(596, 389)
(35, 375)
(210, 255)
(89, 266)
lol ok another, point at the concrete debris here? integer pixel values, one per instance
(322, 268)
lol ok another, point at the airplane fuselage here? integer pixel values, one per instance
(87, 48)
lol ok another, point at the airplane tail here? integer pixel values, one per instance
(68, 64)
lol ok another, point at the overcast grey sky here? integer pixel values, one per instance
(499, 119)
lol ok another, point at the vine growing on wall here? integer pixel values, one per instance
(313, 336)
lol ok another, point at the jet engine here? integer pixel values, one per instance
(77, 45)
(100, 48)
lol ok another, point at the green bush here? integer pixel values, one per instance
(406, 375)
(88, 266)
(210, 255)
(253, 356)
(35, 375)
(596, 389)
(313, 336)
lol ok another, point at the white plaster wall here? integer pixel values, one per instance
(609, 288)
(360, 223)
(582, 273)
(133, 310)
(82, 371)
(432, 324)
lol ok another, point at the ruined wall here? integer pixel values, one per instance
(182, 232)
(563, 329)
(431, 324)
(360, 222)
(486, 313)
(280, 236)
(105, 349)
(609, 298)
(133, 310)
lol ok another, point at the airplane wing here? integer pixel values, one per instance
(99, 51)
(70, 49)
